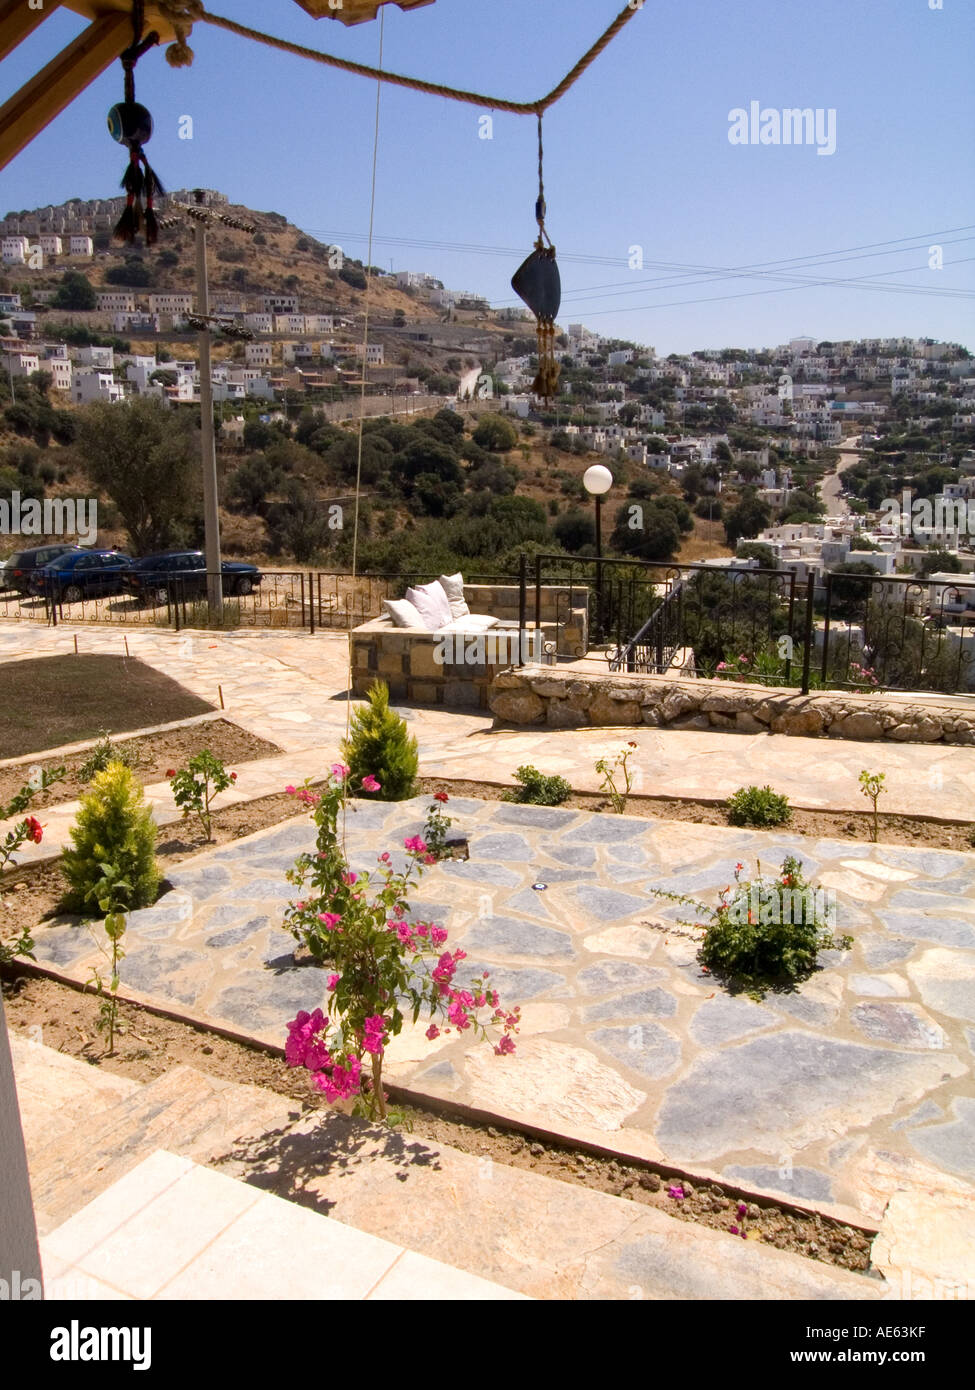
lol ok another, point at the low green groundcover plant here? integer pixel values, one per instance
(758, 806)
(538, 790)
(385, 966)
(765, 933)
(381, 746)
(114, 840)
(105, 752)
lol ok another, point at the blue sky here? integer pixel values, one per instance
(637, 154)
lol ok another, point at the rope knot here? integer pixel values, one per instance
(181, 15)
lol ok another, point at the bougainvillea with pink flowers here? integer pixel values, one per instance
(384, 967)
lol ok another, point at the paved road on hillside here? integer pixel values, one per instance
(831, 485)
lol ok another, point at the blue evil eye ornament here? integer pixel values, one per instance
(130, 123)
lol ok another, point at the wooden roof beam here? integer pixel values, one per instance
(53, 88)
(17, 20)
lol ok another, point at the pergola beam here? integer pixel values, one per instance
(49, 91)
(17, 20)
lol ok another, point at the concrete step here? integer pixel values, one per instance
(543, 1237)
(57, 1093)
(183, 1111)
(171, 1229)
(525, 1232)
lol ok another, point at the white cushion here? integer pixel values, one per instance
(431, 603)
(404, 614)
(453, 587)
(473, 622)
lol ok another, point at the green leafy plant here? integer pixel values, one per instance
(872, 786)
(765, 933)
(380, 744)
(28, 829)
(758, 806)
(537, 789)
(618, 768)
(114, 841)
(436, 826)
(387, 967)
(105, 752)
(196, 786)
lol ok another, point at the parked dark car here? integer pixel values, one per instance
(20, 567)
(180, 574)
(81, 574)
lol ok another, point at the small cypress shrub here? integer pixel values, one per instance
(380, 743)
(115, 841)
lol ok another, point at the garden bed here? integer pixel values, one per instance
(833, 825)
(153, 1044)
(155, 754)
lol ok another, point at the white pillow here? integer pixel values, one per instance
(453, 587)
(473, 622)
(431, 603)
(403, 613)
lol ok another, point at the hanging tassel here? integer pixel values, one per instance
(130, 124)
(538, 283)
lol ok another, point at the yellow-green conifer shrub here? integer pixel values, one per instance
(114, 845)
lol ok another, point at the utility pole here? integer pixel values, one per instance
(211, 514)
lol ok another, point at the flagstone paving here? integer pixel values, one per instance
(857, 1085)
(290, 688)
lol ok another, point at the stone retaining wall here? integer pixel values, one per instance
(572, 699)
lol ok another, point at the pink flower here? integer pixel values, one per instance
(349, 878)
(734, 1230)
(415, 845)
(504, 1047)
(443, 971)
(289, 791)
(369, 784)
(458, 1016)
(742, 1209)
(433, 1032)
(676, 1191)
(437, 936)
(722, 666)
(329, 920)
(340, 771)
(299, 907)
(301, 1036)
(422, 928)
(374, 1035)
(332, 982)
(405, 932)
(384, 857)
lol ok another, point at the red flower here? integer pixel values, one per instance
(35, 830)
(441, 796)
(171, 772)
(233, 777)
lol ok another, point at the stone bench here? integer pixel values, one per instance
(412, 660)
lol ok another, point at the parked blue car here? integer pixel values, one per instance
(81, 574)
(181, 574)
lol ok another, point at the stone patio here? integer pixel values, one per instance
(836, 1096)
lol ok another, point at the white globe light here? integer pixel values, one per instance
(597, 480)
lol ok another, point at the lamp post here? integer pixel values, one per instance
(597, 481)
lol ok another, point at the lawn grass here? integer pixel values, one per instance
(49, 701)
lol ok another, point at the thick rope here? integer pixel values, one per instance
(182, 13)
